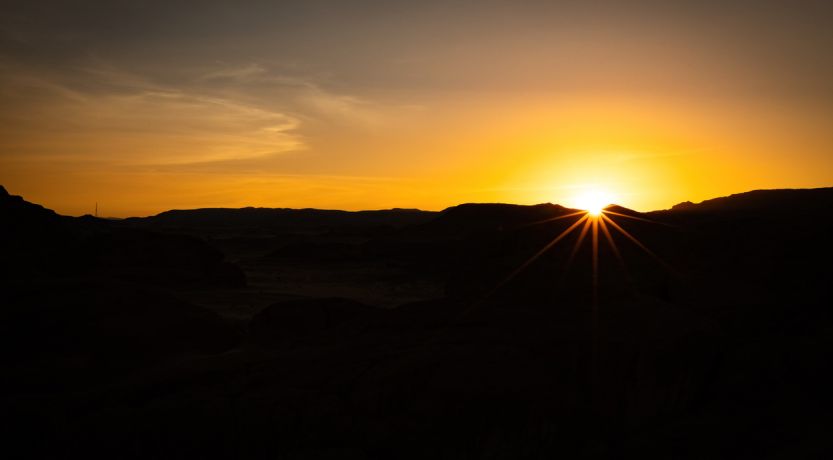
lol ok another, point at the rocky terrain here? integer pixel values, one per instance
(308, 334)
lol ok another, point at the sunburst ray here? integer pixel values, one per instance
(551, 219)
(595, 264)
(621, 260)
(639, 244)
(577, 245)
(611, 243)
(515, 272)
(541, 252)
(636, 218)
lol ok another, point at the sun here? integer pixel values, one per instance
(593, 201)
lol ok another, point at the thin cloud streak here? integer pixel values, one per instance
(127, 118)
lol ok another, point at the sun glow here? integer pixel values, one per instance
(593, 201)
(596, 224)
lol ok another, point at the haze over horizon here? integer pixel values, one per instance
(371, 105)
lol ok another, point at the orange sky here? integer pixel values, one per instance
(367, 105)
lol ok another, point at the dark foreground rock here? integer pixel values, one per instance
(285, 322)
(715, 344)
(77, 332)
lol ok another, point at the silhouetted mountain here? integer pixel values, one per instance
(38, 242)
(621, 210)
(784, 200)
(21, 212)
(703, 331)
(472, 217)
(30, 235)
(295, 219)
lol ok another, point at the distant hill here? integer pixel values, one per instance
(283, 217)
(771, 200)
(492, 216)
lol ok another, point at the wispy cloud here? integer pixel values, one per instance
(304, 95)
(243, 73)
(102, 112)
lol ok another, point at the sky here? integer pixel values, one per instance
(144, 106)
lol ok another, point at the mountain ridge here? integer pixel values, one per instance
(752, 199)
